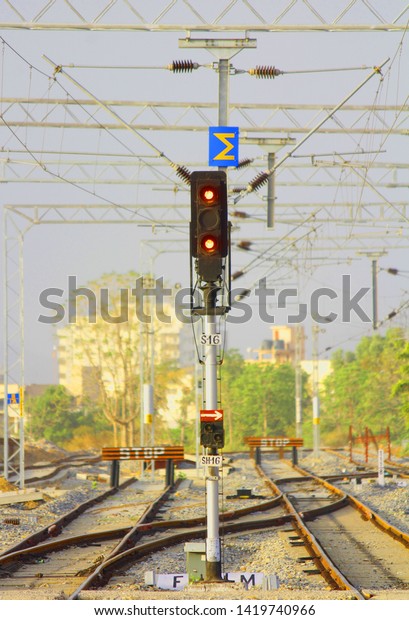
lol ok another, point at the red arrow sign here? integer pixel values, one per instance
(211, 415)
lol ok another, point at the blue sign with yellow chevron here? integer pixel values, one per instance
(223, 146)
(13, 399)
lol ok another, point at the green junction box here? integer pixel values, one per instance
(195, 560)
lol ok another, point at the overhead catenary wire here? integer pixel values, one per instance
(68, 94)
(187, 66)
(391, 315)
(384, 139)
(184, 173)
(59, 70)
(265, 252)
(376, 71)
(180, 170)
(151, 221)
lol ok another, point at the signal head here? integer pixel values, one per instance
(209, 240)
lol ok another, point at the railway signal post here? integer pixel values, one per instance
(209, 248)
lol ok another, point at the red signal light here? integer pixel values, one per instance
(209, 244)
(209, 195)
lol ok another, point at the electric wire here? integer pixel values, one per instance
(152, 221)
(369, 329)
(182, 172)
(59, 70)
(376, 71)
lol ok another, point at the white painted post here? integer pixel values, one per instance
(213, 552)
(381, 468)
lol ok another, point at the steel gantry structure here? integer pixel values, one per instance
(382, 222)
(175, 116)
(193, 15)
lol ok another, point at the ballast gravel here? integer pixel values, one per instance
(390, 501)
(33, 519)
(266, 552)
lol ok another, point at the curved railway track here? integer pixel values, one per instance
(40, 561)
(90, 570)
(51, 470)
(73, 558)
(355, 547)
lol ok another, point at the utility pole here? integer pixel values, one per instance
(316, 417)
(375, 293)
(299, 338)
(198, 388)
(375, 256)
(271, 146)
(315, 392)
(271, 158)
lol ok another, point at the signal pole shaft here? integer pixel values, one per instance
(213, 551)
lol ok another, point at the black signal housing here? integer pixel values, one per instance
(212, 434)
(209, 241)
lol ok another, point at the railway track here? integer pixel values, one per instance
(354, 547)
(391, 467)
(44, 473)
(85, 556)
(16, 565)
(82, 541)
(91, 557)
(116, 568)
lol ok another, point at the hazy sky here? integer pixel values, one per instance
(52, 252)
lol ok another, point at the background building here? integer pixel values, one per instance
(282, 347)
(287, 345)
(88, 350)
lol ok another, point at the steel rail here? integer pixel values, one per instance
(105, 571)
(107, 568)
(74, 460)
(331, 573)
(367, 512)
(14, 554)
(130, 536)
(392, 467)
(127, 551)
(56, 470)
(57, 526)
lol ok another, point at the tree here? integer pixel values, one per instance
(54, 415)
(358, 391)
(262, 398)
(231, 369)
(400, 389)
(343, 392)
(116, 345)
